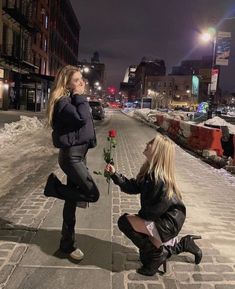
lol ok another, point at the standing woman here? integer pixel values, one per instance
(162, 214)
(73, 133)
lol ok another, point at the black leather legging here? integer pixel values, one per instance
(80, 186)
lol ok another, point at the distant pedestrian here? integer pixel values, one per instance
(162, 214)
(73, 133)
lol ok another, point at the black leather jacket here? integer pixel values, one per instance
(73, 123)
(167, 214)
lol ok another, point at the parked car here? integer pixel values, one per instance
(97, 109)
(114, 104)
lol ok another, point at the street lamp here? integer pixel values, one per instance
(210, 36)
(86, 69)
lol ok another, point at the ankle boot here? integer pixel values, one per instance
(154, 258)
(186, 244)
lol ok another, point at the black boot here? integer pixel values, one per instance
(139, 239)
(150, 256)
(54, 188)
(154, 258)
(186, 244)
(50, 188)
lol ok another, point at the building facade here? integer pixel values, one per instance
(171, 91)
(94, 72)
(37, 37)
(201, 68)
(64, 35)
(127, 87)
(145, 69)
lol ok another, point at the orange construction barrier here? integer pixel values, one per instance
(210, 139)
(205, 138)
(174, 128)
(194, 140)
(159, 119)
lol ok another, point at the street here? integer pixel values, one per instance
(30, 223)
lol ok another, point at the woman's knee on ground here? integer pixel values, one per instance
(123, 223)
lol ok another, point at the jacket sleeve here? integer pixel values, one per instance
(129, 186)
(82, 106)
(70, 116)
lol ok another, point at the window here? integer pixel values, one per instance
(43, 67)
(46, 22)
(45, 44)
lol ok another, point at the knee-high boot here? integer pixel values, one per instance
(153, 257)
(186, 244)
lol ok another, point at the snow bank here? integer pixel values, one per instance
(9, 133)
(217, 121)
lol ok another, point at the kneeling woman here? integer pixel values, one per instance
(162, 213)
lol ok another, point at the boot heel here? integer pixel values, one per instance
(164, 266)
(193, 237)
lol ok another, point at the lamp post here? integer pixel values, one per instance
(210, 36)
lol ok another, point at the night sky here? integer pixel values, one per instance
(123, 31)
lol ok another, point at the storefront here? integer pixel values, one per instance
(4, 90)
(31, 91)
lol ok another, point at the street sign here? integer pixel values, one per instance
(223, 44)
(214, 79)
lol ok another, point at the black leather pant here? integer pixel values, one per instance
(80, 185)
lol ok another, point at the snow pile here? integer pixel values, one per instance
(217, 121)
(26, 124)
(146, 114)
(129, 111)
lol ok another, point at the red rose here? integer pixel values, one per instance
(112, 133)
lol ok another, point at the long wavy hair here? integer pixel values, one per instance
(60, 89)
(162, 164)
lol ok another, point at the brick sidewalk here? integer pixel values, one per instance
(210, 202)
(205, 193)
(20, 219)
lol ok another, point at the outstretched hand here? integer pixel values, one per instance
(110, 169)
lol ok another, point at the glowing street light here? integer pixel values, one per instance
(208, 35)
(205, 37)
(86, 69)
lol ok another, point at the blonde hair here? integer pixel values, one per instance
(162, 164)
(60, 88)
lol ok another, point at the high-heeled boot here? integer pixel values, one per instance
(186, 244)
(154, 258)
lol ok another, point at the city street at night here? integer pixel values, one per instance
(117, 144)
(30, 223)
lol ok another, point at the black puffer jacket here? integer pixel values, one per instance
(167, 214)
(73, 123)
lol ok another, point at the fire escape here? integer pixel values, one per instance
(18, 52)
